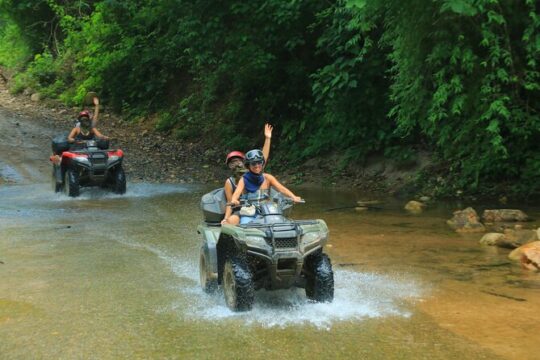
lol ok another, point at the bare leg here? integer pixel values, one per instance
(233, 220)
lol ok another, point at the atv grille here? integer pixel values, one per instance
(285, 243)
(99, 162)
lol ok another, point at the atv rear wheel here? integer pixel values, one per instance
(71, 183)
(319, 278)
(238, 284)
(119, 180)
(208, 284)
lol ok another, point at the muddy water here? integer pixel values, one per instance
(106, 276)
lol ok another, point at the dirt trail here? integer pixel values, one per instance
(27, 127)
(23, 149)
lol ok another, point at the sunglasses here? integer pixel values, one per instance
(256, 163)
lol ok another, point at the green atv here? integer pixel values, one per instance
(270, 252)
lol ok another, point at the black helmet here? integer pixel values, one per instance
(253, 156)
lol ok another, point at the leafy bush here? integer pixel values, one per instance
(14, 51)
(457, 77)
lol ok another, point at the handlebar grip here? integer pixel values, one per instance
(302, 201)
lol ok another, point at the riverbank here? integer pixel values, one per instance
(153, 156)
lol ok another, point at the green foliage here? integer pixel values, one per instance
(463, 85)
(14, 52)
(459, 78)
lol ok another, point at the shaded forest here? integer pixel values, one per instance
(457, 78)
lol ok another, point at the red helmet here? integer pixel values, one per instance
(84, 113)
(234, 154)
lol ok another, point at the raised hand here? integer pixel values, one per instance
(268, 130)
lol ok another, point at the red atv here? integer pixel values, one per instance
(86, 163)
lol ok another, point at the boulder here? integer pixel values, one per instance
(528, 255)
(35, 97)
(415, 207)
(499, 215)
(466, 220)
(511, 239)
(492, 239)
(520, 236)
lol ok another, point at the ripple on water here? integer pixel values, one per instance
(9, 173)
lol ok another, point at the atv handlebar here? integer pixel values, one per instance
(249, 202)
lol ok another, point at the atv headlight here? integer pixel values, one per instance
(310, 238)
(256, 241)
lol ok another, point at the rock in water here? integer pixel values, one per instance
(528, 255)
(504, 215)
(520, 236)
(415, 207)
(466, 220)
(511, 239)
(492, 239)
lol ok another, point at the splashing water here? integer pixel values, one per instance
(357, 296)
(40, 194)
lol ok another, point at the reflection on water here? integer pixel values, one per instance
(112, 276)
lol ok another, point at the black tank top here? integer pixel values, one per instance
(89, 136)
(233, 184)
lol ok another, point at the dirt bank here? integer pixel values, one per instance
(153, 156)
(150, 156)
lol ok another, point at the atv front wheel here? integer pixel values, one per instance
(119, 180)
(71, 183)
(57, 187)
(238, 284)
(319, 278)
(208, 284)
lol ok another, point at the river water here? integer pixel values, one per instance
(106, 276)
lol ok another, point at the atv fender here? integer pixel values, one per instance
(208, 248)
(58, 174)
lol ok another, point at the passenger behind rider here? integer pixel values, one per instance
(235, 162)
(253, 181)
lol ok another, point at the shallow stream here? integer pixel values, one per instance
(108, 276)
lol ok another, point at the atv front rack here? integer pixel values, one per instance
(280, 242)
(298, 222)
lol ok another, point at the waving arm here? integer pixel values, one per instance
(267, 140)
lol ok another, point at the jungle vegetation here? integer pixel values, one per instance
(457, 78)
